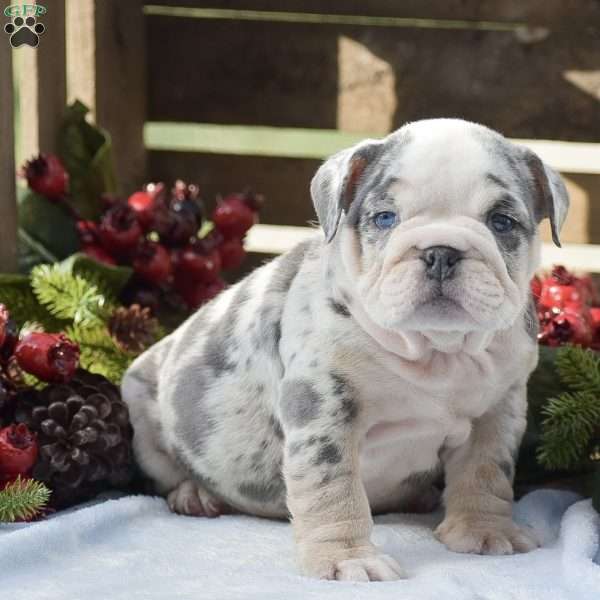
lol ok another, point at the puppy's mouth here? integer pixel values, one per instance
(440, 312)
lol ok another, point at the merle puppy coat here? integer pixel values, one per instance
(344, 377)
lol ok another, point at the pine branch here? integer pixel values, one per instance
(68, 296)
(579, 368)
(22, 500)
(570, 421)
(99, 353)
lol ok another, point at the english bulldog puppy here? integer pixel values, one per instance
(346, 376)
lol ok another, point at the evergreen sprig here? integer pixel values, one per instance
(572, 419)
(579, 369)
(70, 297)
(22, 500)
(99, 353)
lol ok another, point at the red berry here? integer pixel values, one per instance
(232, 253)
(119, 229)
(143, 205)
(51, 357)
(233, 218)
(197, 265)
(588, 290)
(46, 175)
(195, 294)
(88, 232)
(153, 263)
(18, 451)
(559, 296)
(99, 254)
(565, 326)
(186, 198)
(251, 199)
(561, 276)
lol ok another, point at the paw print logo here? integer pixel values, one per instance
(24, 31)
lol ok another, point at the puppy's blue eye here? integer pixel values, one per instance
(502, 223)
(385, 220)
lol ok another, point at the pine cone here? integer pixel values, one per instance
(133, 328)
(84, 436)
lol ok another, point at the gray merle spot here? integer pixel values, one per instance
(338, 308)
(300, 402)
(263, 491)
(329, 453)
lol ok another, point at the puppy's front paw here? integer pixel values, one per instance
(481, 534)
(353, 565)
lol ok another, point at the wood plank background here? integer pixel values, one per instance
(286, 74)
(8, 205)
(558, 13)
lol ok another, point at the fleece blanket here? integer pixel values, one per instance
(133, 548)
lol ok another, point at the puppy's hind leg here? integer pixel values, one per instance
(184, 495)
(138, 390)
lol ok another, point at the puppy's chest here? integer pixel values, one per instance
(406, 429)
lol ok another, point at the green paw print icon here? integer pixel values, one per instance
(24, 32)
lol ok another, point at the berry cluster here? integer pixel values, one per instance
(45, 355)
(568, 309)
(70, 429)
(156, 231)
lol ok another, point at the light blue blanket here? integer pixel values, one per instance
(133, 548)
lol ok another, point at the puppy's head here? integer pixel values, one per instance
(436, 224)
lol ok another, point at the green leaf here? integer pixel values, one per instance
(111, 279)
(69, 296)
(22, 499)
(16, 293)
(46, 227)
(86, 152)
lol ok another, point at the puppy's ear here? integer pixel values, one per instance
(550, 194)
(334, 186)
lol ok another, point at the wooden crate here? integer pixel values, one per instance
(257, 92)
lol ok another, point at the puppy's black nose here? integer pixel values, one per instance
(440, 261)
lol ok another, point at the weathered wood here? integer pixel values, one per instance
(557, 13)
(284, 181)
(107, 50)
(8, 202)
(242, 73)
(42, 82)
(288, 75)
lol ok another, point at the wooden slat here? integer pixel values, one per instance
(42, 82)
(288, 75)
(107, 56)
(563, 13)
(8, 203)
(274, 239)
(572, 157)
(284, 181)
